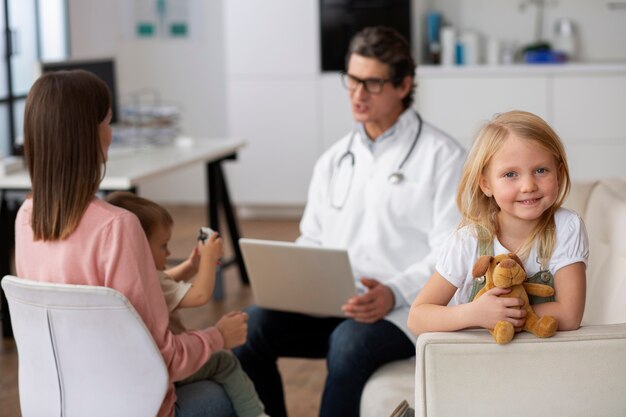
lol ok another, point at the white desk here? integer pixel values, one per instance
(127, 169)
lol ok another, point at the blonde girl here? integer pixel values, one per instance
(512, 188)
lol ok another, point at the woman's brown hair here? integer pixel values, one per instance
(62, 148)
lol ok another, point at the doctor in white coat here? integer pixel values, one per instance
(385, 192)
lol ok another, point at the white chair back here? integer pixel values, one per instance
(83, 351)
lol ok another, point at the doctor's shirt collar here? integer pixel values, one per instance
(372, 145)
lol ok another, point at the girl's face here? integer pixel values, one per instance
(523, 178)
(106, 135)
(158, 241)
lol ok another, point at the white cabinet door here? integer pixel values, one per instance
(589, 107)
(595, 161)
(335, 110)
(589, 116)
(460, 105)
(271, 37)
(278, 119)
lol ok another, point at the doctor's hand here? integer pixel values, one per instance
(371, 306)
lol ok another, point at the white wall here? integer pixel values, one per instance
(192, 73)
(188, 73)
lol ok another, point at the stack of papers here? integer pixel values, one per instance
(11, 164)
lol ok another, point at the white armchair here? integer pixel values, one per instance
(577, 373)
(83, 351)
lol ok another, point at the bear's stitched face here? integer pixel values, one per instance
(507, 271)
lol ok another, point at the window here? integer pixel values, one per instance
(31, 31)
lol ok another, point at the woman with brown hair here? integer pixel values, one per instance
(65, 234)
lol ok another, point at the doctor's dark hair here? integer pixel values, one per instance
(480, 210)
(62, 148)
(389, 47)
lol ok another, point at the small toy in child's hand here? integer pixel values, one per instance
(507, 271)
(205, 233)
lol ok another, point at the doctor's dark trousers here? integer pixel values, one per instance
(353, 351)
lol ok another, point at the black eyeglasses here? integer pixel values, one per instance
(371, 85)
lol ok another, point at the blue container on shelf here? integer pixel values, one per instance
(433, 45)
(545, 57)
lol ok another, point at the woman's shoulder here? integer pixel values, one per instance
(101, 213)
(102, 209)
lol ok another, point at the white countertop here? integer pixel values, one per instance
(428, 71)
(130, 166)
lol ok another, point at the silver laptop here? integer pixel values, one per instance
(297, 278)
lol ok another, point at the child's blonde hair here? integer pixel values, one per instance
(481, 211)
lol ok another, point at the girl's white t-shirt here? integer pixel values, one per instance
(460, 252)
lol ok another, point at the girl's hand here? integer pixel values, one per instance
(490, 309)
(212, 248)
(234, 328)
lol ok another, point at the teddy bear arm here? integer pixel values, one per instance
(540, 290)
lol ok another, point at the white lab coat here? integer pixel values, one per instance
(392, 231)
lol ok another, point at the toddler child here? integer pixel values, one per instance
(513, 184)
(223, 367)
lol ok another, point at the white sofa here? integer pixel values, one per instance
(577, 373)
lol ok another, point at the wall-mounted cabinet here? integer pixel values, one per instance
(591, 107)
(584, 104)
(271, 37)
(459, 105)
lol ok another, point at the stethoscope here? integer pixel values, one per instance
(336, 183)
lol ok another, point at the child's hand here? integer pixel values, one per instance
(234, 328)
(490, 309)
(212, 248)
(194, 260)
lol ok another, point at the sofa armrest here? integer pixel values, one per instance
(576, 373)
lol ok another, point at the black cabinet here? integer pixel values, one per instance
(341, 19)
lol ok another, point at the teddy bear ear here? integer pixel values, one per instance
(481, 266)
(517, 259)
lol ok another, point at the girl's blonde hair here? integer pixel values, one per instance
(62, 148)
(481, 211)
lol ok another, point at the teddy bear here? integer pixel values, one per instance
(507, 271)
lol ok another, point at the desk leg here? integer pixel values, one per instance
(219, 197)
(7, 233)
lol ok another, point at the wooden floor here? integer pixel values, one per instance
(303, 378)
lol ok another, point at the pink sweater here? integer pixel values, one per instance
(110, 249)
